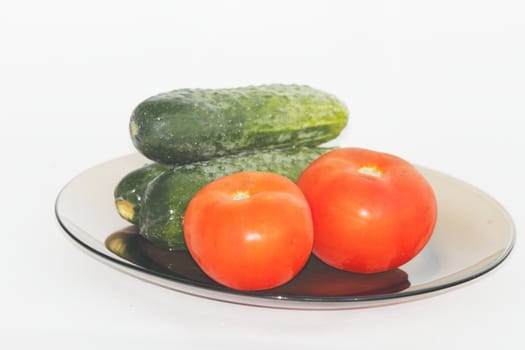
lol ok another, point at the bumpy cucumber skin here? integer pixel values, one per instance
(168, 195)
(129, 191)
(188, 125)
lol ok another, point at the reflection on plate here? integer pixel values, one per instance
(472, 236)
(316, 281)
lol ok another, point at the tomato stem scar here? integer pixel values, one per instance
(370, 170)
(240, 195)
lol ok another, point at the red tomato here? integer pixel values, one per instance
(250, 230)
(371, 211)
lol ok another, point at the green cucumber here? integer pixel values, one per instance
(168, 195)
(130, 190)
(188, 125)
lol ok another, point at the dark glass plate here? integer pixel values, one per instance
(473, 235)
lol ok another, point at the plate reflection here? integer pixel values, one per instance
(317, 280)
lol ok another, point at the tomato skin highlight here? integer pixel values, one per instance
(372, 211)
(250, 230)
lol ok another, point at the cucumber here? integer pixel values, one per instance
(168, 195)
(188, 125)
(129, 191)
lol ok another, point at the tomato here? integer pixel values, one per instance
(372, 211)
(249, 230)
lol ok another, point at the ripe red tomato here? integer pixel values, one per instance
(250, 230)
(371, 211)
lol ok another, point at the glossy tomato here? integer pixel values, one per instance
(250, 230)
(371, 211)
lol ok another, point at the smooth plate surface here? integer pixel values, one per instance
(474, 234)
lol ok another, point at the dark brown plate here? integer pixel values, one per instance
(473, 235)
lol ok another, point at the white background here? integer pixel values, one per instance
(439, 83)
